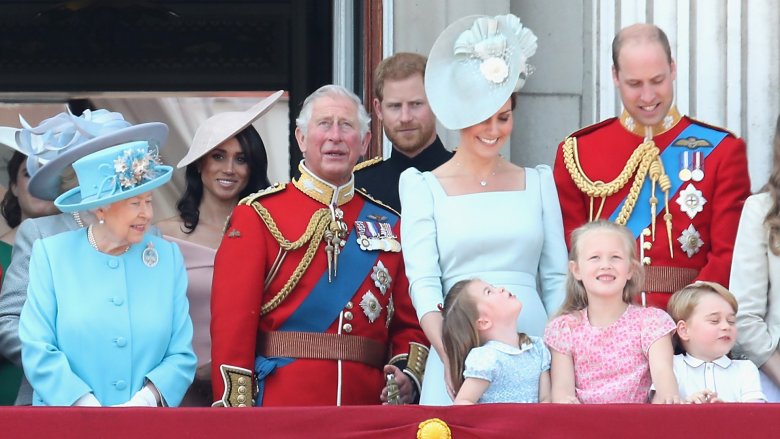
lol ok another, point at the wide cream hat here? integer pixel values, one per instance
(221, 127)
(474, 67)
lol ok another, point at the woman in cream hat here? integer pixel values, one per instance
(110, 326)
(478, 215)
(226, 162)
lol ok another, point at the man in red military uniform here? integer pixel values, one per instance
(677, 183)
(310, 302)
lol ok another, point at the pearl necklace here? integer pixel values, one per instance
(93, 243)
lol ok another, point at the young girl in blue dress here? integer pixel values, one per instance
(489, 361)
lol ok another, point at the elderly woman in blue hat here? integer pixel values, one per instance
(226, 161)
(478, 215)
(111, 326)
(51, 147)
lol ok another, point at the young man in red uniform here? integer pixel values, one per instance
(310, 302)
(677, 183)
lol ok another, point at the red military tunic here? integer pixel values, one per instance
(243, 265)
(603, 150)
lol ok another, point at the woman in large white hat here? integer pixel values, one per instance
(478, 215)
(110, 326)
(226, 161)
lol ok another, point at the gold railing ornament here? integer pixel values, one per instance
(433, 428)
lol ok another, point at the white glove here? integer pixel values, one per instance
(142, 398)
(87, 400)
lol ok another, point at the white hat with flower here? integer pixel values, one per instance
(474, 67)
(114, 174)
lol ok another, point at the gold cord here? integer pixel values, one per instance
(643, 161)
(313, 235)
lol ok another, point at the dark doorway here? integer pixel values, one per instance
(97, 46)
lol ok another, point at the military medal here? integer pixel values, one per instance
(685, 167)
(149, 256)
(690, 241)
(376, 236)
(381, 277)
(698, 166)
(691, 201)
(370, 305)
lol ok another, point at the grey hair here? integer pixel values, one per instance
(332, 90)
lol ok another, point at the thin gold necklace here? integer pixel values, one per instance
(93, 243)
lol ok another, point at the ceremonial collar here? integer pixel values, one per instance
(666, 124)
(322, 191)
(694, 362)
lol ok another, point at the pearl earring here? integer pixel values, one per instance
(101, 221)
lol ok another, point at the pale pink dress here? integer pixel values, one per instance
(199, 261)
(610, 363)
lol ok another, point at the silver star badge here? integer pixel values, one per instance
(381, 277)
(371, 306)
(690, 241)
(691, 201)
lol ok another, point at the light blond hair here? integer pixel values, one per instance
(684, 302)
(576, 296)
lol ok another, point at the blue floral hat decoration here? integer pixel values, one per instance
(57, 142)
(474, 67)
(114, 174)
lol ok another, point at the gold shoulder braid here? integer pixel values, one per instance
(314, 233)
(644, 161)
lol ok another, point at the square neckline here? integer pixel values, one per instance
(429, 175)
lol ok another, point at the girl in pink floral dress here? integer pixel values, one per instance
(604, 348)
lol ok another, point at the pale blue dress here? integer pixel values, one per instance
(104, 324)
(513, 373)
(511, 239)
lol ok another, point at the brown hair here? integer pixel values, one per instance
(459, 332)
(772, 220)
(576, 296)
(640, 32)
(684, 302)
(399, 66)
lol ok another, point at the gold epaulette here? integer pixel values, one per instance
(369, 197)
(274, 188)
(366, 163)
(714, 127)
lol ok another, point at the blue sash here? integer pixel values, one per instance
(326, 300)
(640, 217)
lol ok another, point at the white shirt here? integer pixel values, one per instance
(732, 380)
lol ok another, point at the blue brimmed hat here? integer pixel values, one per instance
(474, 67)
(59, 141)
(114, 174)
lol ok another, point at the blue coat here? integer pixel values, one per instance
(104, 324)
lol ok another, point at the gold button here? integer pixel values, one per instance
(241, 389)
(349, 305)
(348, 315)
(646, 260)
(347, 327)
(241, 398)
(241, 380)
